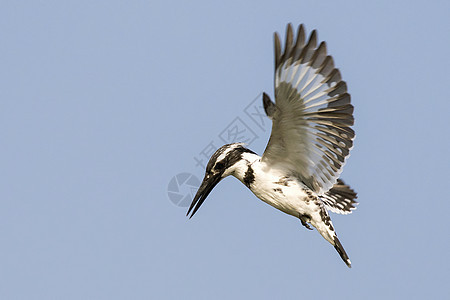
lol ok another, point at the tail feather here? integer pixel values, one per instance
(322, 222)
(341, 251)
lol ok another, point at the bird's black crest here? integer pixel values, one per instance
(231, 158)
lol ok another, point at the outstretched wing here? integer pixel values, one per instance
(311, 135)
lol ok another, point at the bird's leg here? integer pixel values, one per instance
(304, 219)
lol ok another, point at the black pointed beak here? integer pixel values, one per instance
(209, 182)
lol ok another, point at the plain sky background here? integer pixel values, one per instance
(103, 102)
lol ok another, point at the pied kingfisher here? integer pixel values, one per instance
(310, 141)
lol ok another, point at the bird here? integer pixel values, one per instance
(311, 138)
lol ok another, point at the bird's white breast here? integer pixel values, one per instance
(279, 190)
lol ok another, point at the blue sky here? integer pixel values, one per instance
(104, 102)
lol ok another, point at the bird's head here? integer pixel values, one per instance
(221, 164)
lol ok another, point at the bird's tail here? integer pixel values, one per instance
(341, 251)
(325, 227)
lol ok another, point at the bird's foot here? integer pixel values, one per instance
(304, 219)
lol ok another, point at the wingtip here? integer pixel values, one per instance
(277, 48)
(289, 26)
(269, 106)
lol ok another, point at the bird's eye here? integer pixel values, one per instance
(219, 165)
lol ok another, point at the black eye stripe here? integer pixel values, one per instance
(230, 159)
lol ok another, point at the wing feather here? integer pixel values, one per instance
(340, 198)
(311, 130)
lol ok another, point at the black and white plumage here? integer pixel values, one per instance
(309, 144)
